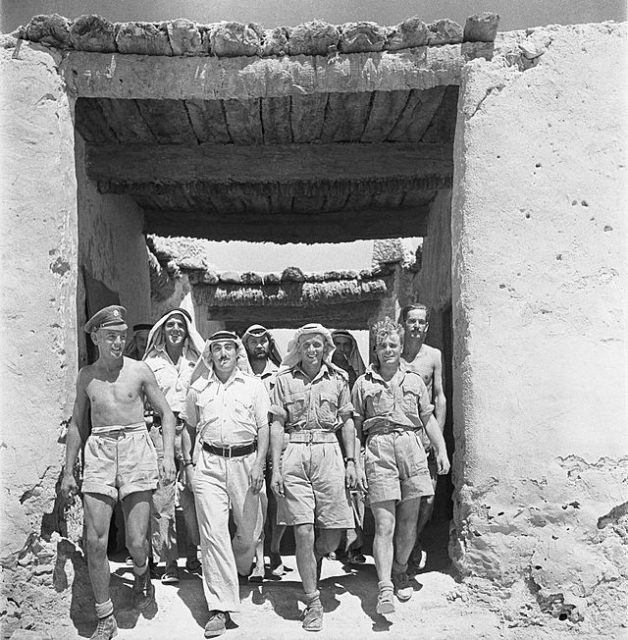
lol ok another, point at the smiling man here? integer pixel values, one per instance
(227, 413)
(310, 402)
(120, 460)
(391, 407)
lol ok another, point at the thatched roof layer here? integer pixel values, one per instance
(183, 37)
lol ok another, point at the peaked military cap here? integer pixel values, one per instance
(112, 316)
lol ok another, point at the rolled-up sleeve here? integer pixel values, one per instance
(190, 409)
(426, 408)
(345, 406)
(357, 399)
(277, 401)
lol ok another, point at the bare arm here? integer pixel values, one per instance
(276, 446)
(262, 408)
(348, 439)
(77, 435)
(440, 401)
(158, 403)
(438, 442)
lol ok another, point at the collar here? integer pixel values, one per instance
(236, 375)
(323, 371)
(270, 369)
(373, 372)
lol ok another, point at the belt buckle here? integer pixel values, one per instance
(228, 449)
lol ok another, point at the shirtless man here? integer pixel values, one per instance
(428, 363)
(120, 460)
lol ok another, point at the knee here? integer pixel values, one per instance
(96, 545)
(135, 543)
(304, 534)
(384, 529)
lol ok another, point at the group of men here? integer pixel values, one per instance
(228, 415)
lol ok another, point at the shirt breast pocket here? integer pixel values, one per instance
(328, 408)
(295, 406)
(378, 403)
(243, 410)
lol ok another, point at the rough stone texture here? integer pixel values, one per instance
(185, 38)
(444, 31)
(144, 38)
(362, 36)
(93, 33)
(412, 32)
(315, 38)
(539, 285)
(275, 41)
(481, 27)
(234, 39)
(53, 30)
(91, 75)
(38, 291)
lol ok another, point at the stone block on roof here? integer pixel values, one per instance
(444, 31)
(53, 30)
(250, 277)
(185, 38)
(272, 278)
(313, 38)
(231, 277)
(275, 41)
(143, 38)
(93, 33)
(481, 27)
(412, 32)
(362, 36)
(292, 274)
(234, 39)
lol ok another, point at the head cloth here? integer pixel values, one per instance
(193, 345)
(293, 357)
(257, 331)
(204, 367)
(354, 358)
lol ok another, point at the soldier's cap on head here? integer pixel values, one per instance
(113, 316)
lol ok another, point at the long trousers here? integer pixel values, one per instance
(222, 484)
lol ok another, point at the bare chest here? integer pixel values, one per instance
(113, 391)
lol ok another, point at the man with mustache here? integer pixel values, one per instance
(226, 410)
(120, 460)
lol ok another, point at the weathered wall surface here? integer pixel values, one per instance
(539, 286)
(38, 326)
(111, 245)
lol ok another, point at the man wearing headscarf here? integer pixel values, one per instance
(136, 346)
(226, 410)
(347, 346)
(174, 346)
(310, 402)
(264, 359)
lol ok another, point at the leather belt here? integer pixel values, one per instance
(229, 451)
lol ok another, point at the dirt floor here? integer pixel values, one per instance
(440, 609)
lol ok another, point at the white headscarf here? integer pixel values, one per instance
(293, 357)
(204, 367)
(193, 346)
(354, 358)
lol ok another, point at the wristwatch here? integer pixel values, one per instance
(349, 460)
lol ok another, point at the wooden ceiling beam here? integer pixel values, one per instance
(164, 164)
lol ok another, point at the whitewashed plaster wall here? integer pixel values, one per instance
(539, 288)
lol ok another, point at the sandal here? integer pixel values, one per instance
(170, 576)
(385, 602)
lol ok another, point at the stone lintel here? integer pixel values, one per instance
(130, 76)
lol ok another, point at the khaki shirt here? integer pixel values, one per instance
(402, 401)
(229, 413)
(322, 403)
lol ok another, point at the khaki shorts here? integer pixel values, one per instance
(119, 464)
(396, 467)
(314, 487)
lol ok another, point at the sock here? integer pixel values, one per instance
(399, 568)
(313, 599)
(384, 585)
(104, 609)
(140, 571)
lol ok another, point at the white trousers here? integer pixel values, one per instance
(221, 484)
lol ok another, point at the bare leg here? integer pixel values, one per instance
(405, 531)
(425, 513)
(98, 509)
(136, 508)
(327, 541)
(306, 562)
(384, 514)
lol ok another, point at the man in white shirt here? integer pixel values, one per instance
(227, 412)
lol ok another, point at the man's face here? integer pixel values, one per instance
(141, 340)
(224, 356)
(416, 323)
(110, 342)
(311, 349)
(175, 331)
(388, 350)
(344, 344)
(257, 348)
